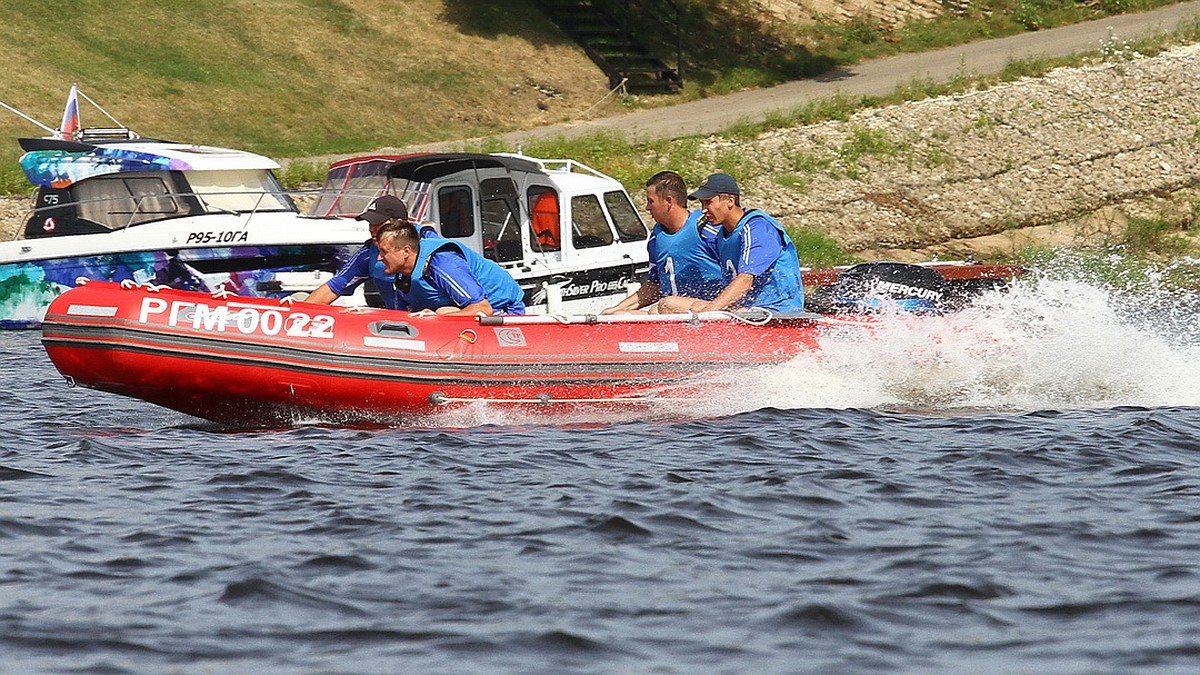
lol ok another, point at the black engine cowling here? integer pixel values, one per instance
(879, 286)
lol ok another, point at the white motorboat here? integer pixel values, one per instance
(569, 234)
(109, 205)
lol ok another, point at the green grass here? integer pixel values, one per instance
(817, 249)
(302, 78)
(299, 173)
(1155, 237)
(1114, 267)
(285, 78)
(306, 78)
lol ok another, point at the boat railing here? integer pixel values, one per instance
(755, 316)
(563, 166)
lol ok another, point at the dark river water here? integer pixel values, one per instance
(1033, 507)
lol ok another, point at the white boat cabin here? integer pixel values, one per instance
(570, 235)
(114, 183)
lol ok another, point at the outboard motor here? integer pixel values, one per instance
(879, 286)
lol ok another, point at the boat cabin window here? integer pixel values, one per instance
(238, 191)
(367, 181)
(501, 225)
(456, 212)
(629, 225)
(349, 189)
(545, 221)
(152, 196)
(589, 227)
(120, 200)
(331, 194)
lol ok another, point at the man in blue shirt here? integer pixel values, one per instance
(683, 249)
(758, 258)
(444, 276)
(365, 263)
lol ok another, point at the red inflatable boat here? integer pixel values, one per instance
(263, 362)
(248, 361)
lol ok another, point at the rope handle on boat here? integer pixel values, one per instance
(131, 285)
(438, 398)
(767, 315)
(756, 316)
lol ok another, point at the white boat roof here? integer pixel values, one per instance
(200, 157)
(581, 183)
(58, 163)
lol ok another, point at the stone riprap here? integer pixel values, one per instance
(1115, 139)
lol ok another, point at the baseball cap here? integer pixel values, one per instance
(716, 184)
(384, 208)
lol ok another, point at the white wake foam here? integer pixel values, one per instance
(1056, 340)
(1048, 343)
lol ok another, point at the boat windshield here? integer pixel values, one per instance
(348, 189)
(120, 200)
(625, 216)
(239, 191)
(588, 225)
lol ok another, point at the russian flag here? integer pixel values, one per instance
(70, 119)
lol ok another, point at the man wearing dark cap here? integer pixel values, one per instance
(756, 255)
(365, 264)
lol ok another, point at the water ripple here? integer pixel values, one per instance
(782, 539)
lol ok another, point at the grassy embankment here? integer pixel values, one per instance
(1164, 237)
(289, 78)
(319, 77)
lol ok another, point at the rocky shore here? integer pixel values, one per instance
(12, 216)
(1062, 159)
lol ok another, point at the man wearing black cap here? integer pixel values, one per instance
(756, 254)
(365, 264)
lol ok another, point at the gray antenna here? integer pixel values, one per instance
(97, 106)
(28, 118)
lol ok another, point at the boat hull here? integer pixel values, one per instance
(258, 362)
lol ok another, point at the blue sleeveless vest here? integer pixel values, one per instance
(383, 280)
(780, 288)
(365, 264)
(503, 292)
(685, 263)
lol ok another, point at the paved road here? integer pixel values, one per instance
(873, 78)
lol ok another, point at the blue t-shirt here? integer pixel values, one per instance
(685, 263)
(364, 264)
(759, 246)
